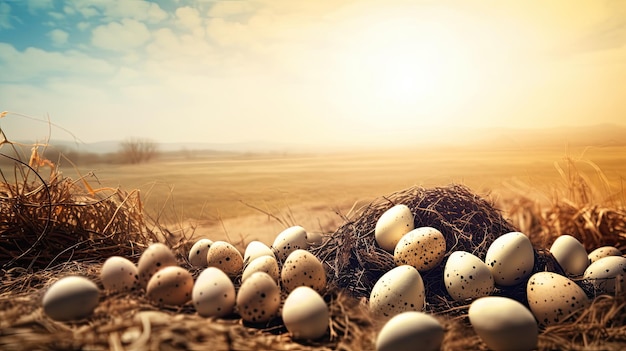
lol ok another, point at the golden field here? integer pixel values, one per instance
(235, 193)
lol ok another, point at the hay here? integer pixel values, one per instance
(468, 222)
(45, 220)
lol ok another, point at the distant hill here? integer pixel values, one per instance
(595, 135)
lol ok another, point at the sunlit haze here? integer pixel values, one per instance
(311, 72)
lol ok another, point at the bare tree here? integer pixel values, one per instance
(137, 150)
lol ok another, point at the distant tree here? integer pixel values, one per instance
(137, 150)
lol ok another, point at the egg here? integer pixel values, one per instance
(119, 274)
(602, 252)
(170, 286)
(570, 254)
(226, 257)
(256, 249)
(392, 225)
(422, 248)
(399, 290)
(314, 238)
(552, 297)
(289, 240)
(156, 257)
(510, 258)
(503, 324)
(71, 298)
(258, 299)
(198, 253)
(410, 331)
(608, 275)
(267, 264)
(302, 268)
(467, 276)
(213, 293)
(305, 314)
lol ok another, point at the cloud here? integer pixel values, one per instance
(5, 16)
(38, 65)
(189, 18)
(116, 10)
(35, 6)
(120, 36)
(58, 36)
(83, 25)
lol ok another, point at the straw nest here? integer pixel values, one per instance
(468, 222)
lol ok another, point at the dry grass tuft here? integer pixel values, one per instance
(584, 206)
(49, 219)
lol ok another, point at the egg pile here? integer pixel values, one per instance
(286, 280)
(502, 323)
(263, 275)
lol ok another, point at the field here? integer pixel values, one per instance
(234, 194)
(544, 191)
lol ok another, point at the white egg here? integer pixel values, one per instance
(503, 324)
(267, 264)
(156, 257)
(119, 274)
(552, 297)
(213, 293)
(226, 257)
(422, 248)
(289, 240)
(258, 299)
(315, 238)
(71, 298)
(305, 314)
(510, 258)
(399, 290)
(570, 254)
(170, 286)
(302, 268)
(256, 249)
(198, 253)
(467, 276)
(410, 331)
(602, 252)
(608, 275)
(392, 225)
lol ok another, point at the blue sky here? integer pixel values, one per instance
(328, 71)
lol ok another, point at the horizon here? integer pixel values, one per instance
(348, 72)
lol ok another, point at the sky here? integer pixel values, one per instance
(315, 72)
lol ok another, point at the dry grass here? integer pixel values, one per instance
(44, 216)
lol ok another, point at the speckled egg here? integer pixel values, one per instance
(302, 268)
(258, 299)
(213, 293)
(289, 240)
(608, 275)
(226, 257)
(198, 253)
(156, 257)
(467, 276)
(267, 264)
(71, 298)
(256, 249)
(305, 314)
(399, 290)
(422, 248)
(602, 252)
(503, 324)
(119, 274)
(510, 258)
(552, 297)
(409, 331)
(170, 286)
(570, 254)
(392, 225)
